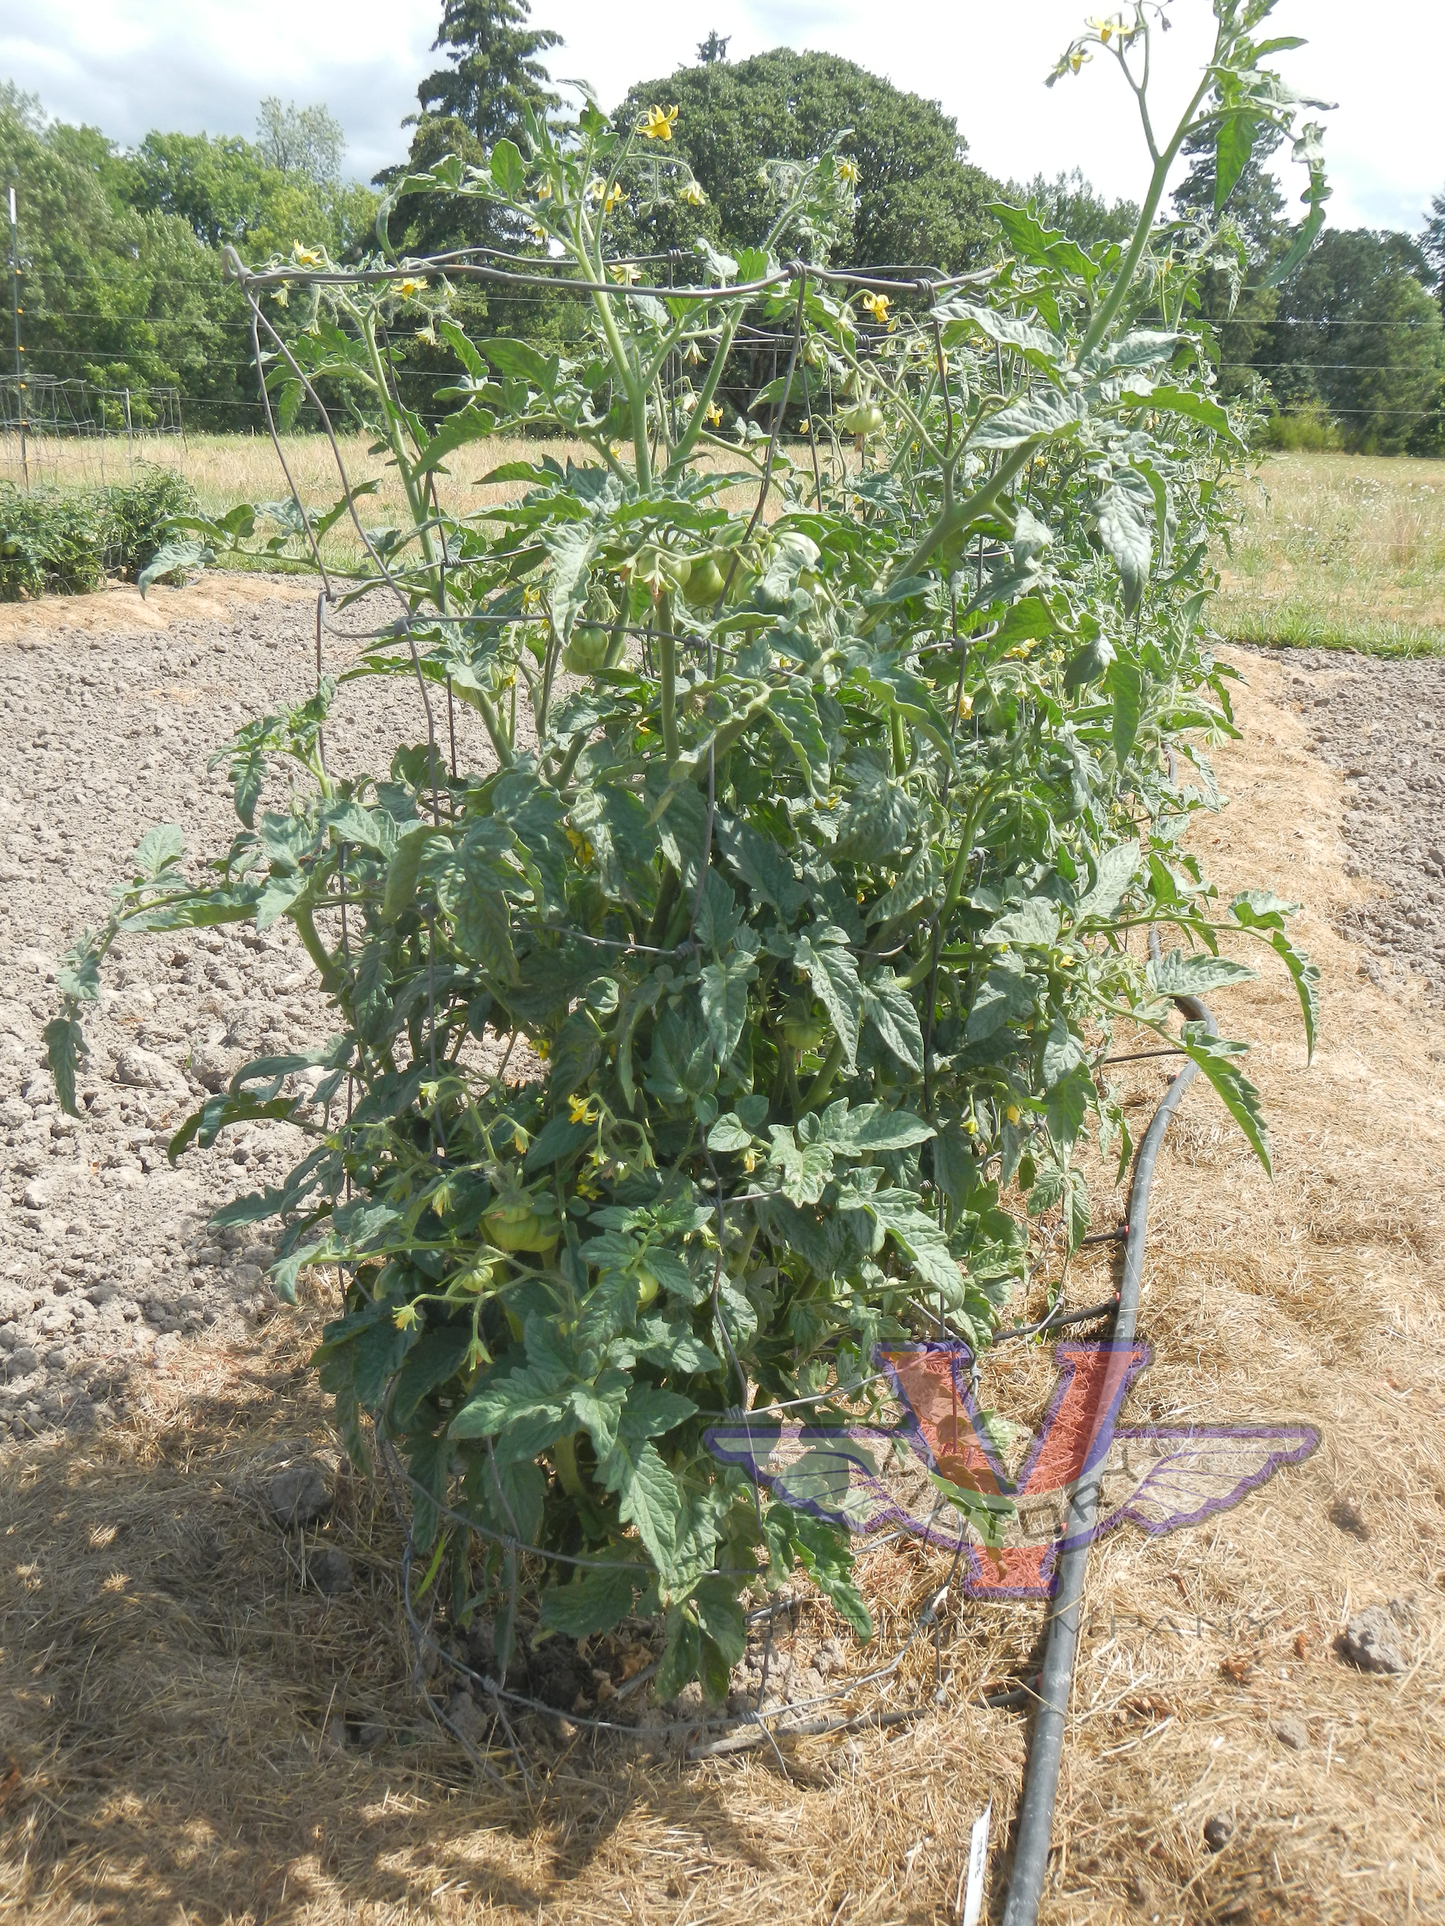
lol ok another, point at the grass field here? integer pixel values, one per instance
(226, 469)
(1339, 552)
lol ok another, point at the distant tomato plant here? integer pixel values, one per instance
(811, 886)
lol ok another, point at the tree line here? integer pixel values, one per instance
(124, 282)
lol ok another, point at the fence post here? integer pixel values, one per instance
(129, 450)
(15, 319)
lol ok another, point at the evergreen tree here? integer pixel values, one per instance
(495, 72)
(1069, 204)
(1238, 309)
(1432, 242)
(1357, 330)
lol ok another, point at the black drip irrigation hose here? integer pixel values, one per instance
(1041, 1783)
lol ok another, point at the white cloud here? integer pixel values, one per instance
(129, 65)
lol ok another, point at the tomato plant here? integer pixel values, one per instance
(811, 887)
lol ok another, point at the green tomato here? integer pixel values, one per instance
(517, 1227)
(804, 1027)
(646, 1287)
(866, 418)
(660, 569)
(478, 1279)
(705, 582)
(586, 652)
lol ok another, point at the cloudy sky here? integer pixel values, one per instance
(130, 65)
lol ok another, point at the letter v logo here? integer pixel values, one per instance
(946, 1428)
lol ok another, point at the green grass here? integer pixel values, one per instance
(1338, 551)
(1299, 625)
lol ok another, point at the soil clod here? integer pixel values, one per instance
(299, 1495)
(1369, 1640)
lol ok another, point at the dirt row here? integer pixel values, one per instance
(111, 709)
(1382, 724)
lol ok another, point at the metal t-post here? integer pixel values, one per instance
(15, 320)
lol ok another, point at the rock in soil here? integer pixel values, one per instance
(299, 1495)
(1218, 1832)
(329, 1570)
(468, 1719)
(1370, 1640)
(1293, 1732)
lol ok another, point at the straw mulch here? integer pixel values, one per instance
(190, 1733)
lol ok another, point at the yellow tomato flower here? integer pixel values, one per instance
(1013, 1113)
(713, 417)
(596, 188)
(848, 172)
(624, 274)
(694, 195)
(877, 306)
(538, 233)
(544, 192)
(405, 1318)
(581, 1110)
(614, 197)
(657, 123)
(1079, 59)
(307, 256)
(409, 288)
(583, 848)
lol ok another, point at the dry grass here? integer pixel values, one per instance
(1340, 551)
(167, 1680)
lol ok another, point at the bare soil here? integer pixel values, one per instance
(112, 707)
(190, 1729)
(1383, 725)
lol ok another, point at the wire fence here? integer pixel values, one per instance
(56, 431)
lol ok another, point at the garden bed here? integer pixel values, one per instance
(189, 1722)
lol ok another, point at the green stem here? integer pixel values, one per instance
(627, 374)
(698, 422)
(301, 916)
(823, 1082)
(564, 1454)
(667, 664)
(666, 897)
(1105, 316)
(957, 517)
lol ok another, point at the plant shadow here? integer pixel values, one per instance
(190, 1730)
